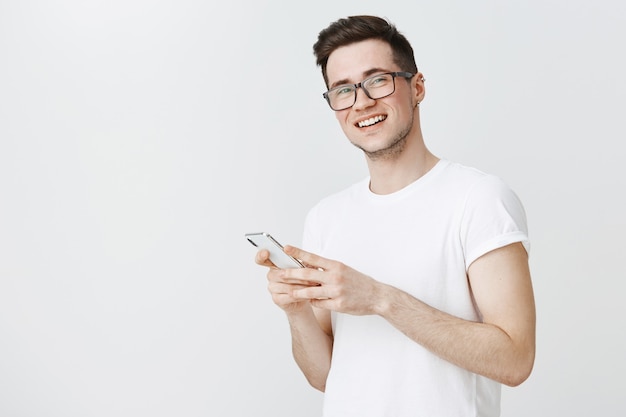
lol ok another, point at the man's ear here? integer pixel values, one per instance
(420, 88)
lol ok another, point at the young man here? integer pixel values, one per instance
(417, 299)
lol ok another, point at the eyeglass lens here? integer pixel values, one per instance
(375, 87)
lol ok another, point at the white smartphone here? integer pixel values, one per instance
(277, 254)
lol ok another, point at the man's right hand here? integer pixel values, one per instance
(281, 288)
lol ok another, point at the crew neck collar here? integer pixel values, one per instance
(418, 183)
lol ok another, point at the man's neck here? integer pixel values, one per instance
(390, 175)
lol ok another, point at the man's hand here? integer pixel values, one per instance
(280, 287)
(311, 328)
(337, 286)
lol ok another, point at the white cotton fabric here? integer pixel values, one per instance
(421, 239)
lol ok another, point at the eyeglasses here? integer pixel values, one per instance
(378, 86)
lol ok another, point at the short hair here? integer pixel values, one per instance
(353, 29)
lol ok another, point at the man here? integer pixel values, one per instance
(417, 298)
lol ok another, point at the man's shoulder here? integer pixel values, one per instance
(459, 170)
(469, 177)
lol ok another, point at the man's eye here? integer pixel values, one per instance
(376, 81)
(343, 91)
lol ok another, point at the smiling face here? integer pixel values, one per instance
(382, 127)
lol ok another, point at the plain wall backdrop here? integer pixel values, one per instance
(140, 140)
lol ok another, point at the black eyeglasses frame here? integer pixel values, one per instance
(403, 74)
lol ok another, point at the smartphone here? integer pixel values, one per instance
(277, 254)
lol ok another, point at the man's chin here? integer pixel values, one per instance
(386, 152)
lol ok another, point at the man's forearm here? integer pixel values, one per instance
(312, 347)
(481, 348)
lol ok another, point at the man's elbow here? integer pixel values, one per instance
(521, 371)
(318, 384)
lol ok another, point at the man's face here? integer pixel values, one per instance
(378, 127)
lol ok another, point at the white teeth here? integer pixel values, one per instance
(371, 121)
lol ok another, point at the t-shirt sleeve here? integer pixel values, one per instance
(493, 218)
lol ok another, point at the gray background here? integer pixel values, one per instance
(140, 140)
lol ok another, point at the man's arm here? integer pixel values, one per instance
(501, 347)
(312, 343)
(311, 331)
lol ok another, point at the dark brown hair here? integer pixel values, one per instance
(359, 28)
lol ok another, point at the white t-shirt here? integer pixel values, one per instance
(421, 239)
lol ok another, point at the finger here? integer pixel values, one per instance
(263, 258)
(308, 276)
(282, 288)
(310, 293)
(301, 282)
(310, 259)
(323, 303)
(281, 295)
(293, 281)
(286, 276)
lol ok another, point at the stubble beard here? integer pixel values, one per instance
(391, 151)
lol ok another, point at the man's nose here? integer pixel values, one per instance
(362, 99)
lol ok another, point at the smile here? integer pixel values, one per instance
(371, 121)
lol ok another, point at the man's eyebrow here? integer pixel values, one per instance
(366, 74)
